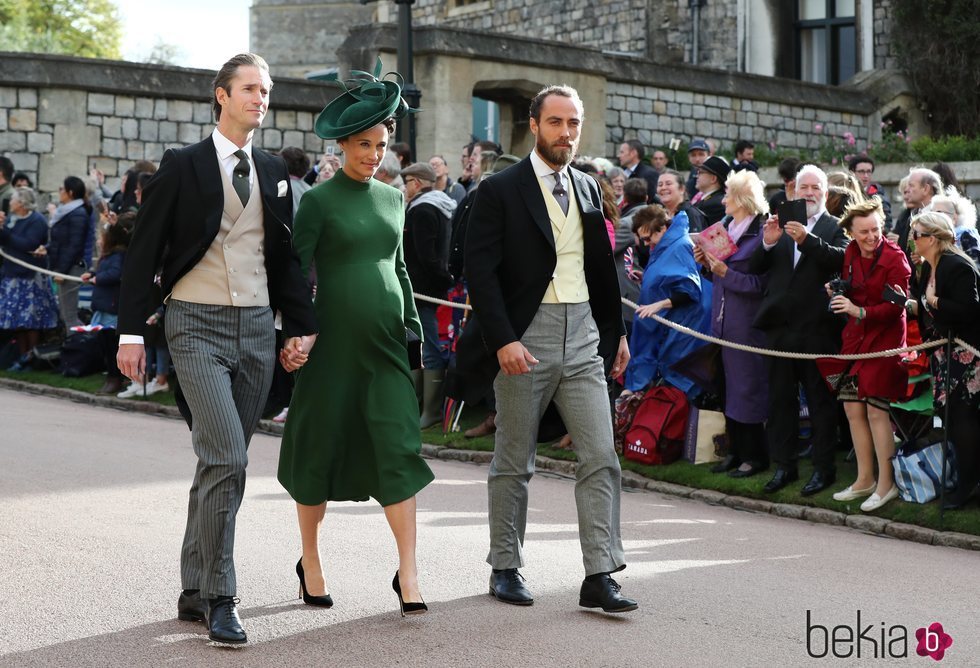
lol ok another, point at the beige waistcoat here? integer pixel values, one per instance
(232, 271)
(568, 284)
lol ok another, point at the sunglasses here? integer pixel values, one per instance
(916, 234)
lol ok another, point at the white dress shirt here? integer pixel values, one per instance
(546, 173)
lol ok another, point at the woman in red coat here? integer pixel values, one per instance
(868, 264)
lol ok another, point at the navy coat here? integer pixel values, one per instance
(18, 241)
(66, 249)
(105, 293)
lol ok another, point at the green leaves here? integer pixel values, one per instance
(87, 28)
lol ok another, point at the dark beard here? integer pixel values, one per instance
(559, 157)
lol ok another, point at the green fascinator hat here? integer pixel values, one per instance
(368, 99)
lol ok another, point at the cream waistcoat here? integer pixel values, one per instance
(568, 284)
(232, 271)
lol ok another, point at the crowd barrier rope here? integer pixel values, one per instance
(663, 321)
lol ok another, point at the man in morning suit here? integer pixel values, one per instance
(795, 317)
(546, 301)
(711, 190)
(217, 218)
(631, 153)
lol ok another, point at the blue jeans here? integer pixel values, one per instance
(434, 357)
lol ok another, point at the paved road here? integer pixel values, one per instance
(91, 515)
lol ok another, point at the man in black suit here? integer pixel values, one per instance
(217, 217)
(631, 153)
(545, 296)
(795, 317)
(711, 190)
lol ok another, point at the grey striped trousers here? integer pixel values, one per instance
(224, 357)
(564, 339)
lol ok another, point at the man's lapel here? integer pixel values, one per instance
(265, 176)
(530, 190)
(208, 171)
(581, 190)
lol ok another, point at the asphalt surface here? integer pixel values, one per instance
(92, 506)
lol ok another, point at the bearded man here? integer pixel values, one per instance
(545, 295)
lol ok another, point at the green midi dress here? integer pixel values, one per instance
(353, 426)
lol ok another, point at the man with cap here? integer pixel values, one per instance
(217, 216)
(428, 229)
(697, 152)
(711, 189)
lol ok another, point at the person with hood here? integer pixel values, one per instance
(428, 228)
(671, 283)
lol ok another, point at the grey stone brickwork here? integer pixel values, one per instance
(58, 116)
(885, 53)
(615, 25)
(655, 115)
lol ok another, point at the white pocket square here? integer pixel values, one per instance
(283, 188)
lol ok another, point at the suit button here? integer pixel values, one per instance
(234, 294)
(227, 247)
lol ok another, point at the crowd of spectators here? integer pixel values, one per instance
(772, 291)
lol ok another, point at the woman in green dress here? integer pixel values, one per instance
(352, 431)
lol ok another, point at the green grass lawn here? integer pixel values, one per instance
(684, 473)
(88, 384)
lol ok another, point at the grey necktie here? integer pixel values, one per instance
(239, 176)
(560, 193)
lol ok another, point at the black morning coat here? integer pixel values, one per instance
(510, 260)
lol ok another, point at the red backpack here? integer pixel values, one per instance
(657, 433)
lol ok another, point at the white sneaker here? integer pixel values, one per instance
(134, 389)
(282, 415)
(153, 387)
(874, 502)
(849, 494)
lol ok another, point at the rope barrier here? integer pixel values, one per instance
(663, 321)
(746, 348)
(40, 270)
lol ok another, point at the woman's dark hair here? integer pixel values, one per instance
(116, 237)
(947, 175)
(788, 168)
(652, 216)
(21, 176)
(75, 188)
(838, 199)
(389, 124)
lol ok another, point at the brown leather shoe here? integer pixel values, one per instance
(112, 386)
(485, 428)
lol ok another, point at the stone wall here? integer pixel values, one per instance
(59, 115)
(886, 55)
(616, 25)
(655, 115)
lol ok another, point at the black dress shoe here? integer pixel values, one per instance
(507, 585)
(601, 591)
(780, 479)
(818, 482)
(407, 607)
(727, 464)
(190, 607)
(754, 468)
(224, 626)
(324, 601)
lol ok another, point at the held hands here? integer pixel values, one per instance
(296, 351)
(653, 309)
(515, 359)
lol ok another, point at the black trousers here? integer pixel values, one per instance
(784, 414)
(964, 433)
(747, 441)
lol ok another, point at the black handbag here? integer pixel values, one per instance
(413, 346)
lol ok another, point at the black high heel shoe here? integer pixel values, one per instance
(320, 601)
(410, 608)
